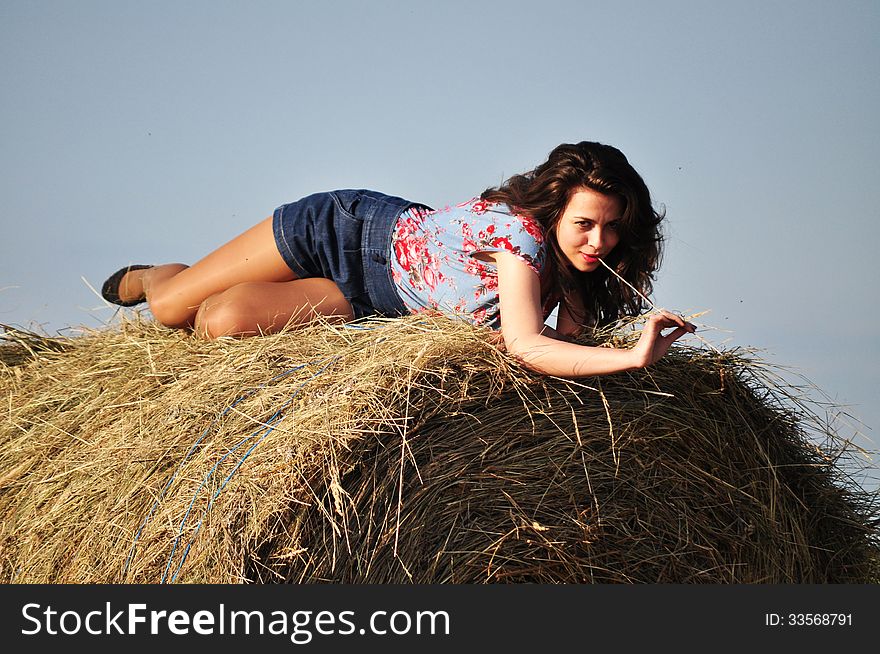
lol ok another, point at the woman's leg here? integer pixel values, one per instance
(175, 292)
(253, 308)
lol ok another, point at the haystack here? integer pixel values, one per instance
(410, 451)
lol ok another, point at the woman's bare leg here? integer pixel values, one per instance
(254, 308)
(175, 291)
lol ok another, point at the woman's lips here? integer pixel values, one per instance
(590, 258)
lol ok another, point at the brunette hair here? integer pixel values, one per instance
(543, 194)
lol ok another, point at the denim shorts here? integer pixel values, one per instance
(344, 236)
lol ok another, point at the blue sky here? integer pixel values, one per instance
(150, 132)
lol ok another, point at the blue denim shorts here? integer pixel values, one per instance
(344, 236)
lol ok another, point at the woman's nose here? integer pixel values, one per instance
(597, 238)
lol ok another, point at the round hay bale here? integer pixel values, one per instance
(411, 451)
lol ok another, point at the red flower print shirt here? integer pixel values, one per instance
(433, 266)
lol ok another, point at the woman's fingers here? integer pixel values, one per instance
(652, 343)
(671, 320)
(674, 335)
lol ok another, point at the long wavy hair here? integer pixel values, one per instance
(543, 194)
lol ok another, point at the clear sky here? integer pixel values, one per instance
(150, 132)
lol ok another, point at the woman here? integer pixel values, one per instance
(579, 230)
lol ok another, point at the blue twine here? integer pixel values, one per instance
(192, 449)
(195, 496)
(268, 430)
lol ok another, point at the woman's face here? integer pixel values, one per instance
(589, 228)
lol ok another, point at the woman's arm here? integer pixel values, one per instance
(519, 295)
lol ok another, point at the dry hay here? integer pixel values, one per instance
(410, 450)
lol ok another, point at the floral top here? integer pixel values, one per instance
(433, 266)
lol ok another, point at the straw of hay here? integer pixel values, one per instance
(410, 450)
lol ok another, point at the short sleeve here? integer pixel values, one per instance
(433, 264)
(503, 231)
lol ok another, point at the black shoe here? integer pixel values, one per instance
(110, 289)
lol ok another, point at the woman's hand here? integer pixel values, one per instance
(522, 328)
(652, 344)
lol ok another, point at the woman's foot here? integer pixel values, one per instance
(125, 287)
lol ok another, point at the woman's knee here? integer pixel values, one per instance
(163, 296)
(225, 314)
(171, 311)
